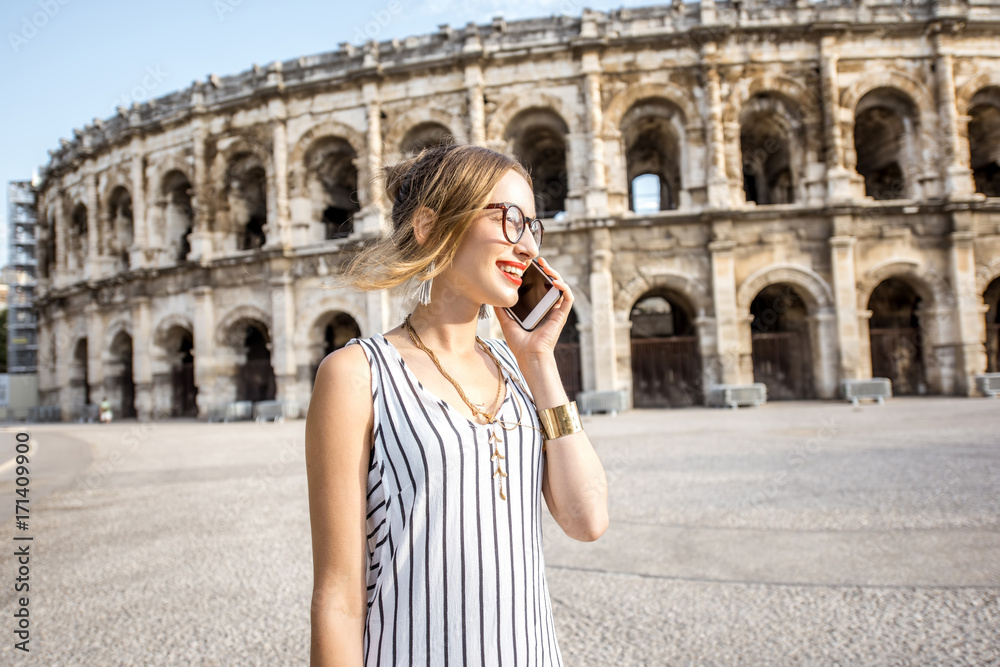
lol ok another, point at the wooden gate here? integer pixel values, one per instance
(184, 390)
(780, 362)
(255, 381)
(568, 361)
(896, 355)
(666, 372)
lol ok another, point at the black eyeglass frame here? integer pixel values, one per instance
(526, 223)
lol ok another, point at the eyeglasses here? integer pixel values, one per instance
(515, 222)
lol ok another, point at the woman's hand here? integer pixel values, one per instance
(541, 342)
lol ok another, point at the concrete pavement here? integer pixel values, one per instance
(797, 533)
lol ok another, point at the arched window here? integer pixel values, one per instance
(333, 185)
(425, 135)
(770, 139)
(538, 138)
(884, 136)
(984, 141)
(653, 154)
(179, 214)
(121, 229)
(246, 195)
(645, 193)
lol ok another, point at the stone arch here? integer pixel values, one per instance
(172, 321)
(928, 286)
(496, 128)
(163, 169)
(310, 317)
(296, 159)
(631, 95)
(420, 115)
(916, 91)
(653, 139)
(965, 95)
(986, 274)
(242, 156)
(694, 290)
(117, 176)
(800, 99)
(816, 292)
(240, 144)
(236, 315)
(120, 324)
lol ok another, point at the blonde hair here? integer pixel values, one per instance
(455, 183)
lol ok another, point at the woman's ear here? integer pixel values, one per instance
(423, 218)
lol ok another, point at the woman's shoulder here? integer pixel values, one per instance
(350, 361)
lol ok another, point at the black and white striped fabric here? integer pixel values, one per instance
(456, 576)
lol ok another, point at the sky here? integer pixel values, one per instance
(65, 62)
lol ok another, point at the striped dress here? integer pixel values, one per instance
(456, 576)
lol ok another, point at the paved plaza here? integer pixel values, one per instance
(797, 533)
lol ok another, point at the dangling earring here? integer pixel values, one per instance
(424, 289)
(484, 312)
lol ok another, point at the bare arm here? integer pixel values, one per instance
(338, 441)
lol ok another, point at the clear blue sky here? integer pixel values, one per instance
(65, 62)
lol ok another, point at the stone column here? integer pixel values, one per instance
(838, 179)
(95, 351)
(846, 305)
(142, 369)
(204, 349)
(707, 12)
(371, 212)
(282, 343)
(140, 223)
(718, 181)
(93, 269)
(602, 302)
(201, 237)
(596, 196)
(477, 108)
(62, 231)
(969, 312)
(729, 353)
(280, 233)
(63, 360)
(957, 175)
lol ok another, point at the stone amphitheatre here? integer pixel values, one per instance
(794, 193)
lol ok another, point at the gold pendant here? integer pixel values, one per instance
(497, 456)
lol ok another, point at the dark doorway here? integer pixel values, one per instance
(81, 378)
(255, 380)
(122, 351)
(896, 341)
(666, 364)
(992, 298)
(184, 403)
(779, 334)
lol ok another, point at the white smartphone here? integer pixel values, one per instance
(535, 297)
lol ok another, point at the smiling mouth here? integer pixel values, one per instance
(511, 272)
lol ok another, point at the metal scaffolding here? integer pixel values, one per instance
(22, 323)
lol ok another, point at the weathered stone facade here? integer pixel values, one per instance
(827, 183)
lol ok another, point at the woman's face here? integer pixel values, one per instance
(487, 267)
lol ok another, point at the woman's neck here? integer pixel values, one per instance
(446, 329)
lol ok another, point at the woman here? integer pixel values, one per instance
(424, 447)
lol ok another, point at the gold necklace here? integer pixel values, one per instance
(476, 411)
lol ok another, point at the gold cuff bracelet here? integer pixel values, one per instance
(560, 420)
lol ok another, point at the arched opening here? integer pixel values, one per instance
(78, 230)
(120, 382)
(79, 375)
(333, 185)
(255, 381)
(884, 131)
(425, 135)
(766, 134)
(47, 254)
(183, 390)
(984, 141)
(121, 228)
(179, 214)
(567, 355)
(780, 340)
(337, 329)
(538, 139)
(652, 151)
(666, 364)
(246, 196)
(896, 340)
(992, 299)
